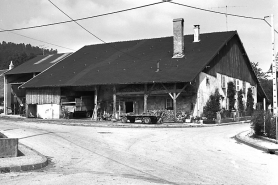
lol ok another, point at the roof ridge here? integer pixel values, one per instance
(155, 38)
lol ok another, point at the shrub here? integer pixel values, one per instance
(250, 102)
(258, 122)
(212, 106)
(231, 92)
(240, 101)
(270, 125)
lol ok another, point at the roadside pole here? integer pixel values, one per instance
(264, 114)
(274, 74)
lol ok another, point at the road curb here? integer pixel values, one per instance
(27, 167)
(254, 145)
(110, 124)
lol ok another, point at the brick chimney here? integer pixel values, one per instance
(178, 38)
(196, 33)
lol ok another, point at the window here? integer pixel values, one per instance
(169, 104)
(237, 85)
(223, 82)
(244, 87)
(254, 91)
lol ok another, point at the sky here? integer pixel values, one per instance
(148, 22)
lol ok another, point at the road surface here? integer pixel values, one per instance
(94, 155)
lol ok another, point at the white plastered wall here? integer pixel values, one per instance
(48, 111)
(207, 86)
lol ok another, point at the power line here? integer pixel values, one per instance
(91, 32)
(40, 40)
(269, 24)
(211, 11)
(94, 34)
(84, 18)
(77, 22)
(242, 16)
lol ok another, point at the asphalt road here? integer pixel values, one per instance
(94, 155)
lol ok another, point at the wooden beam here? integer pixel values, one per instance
(119, 108)
(145, 98)
(141, 93)
(164, 87)
(17, 83)
(114, 102)
(94, 116)
(150, 91)
(175, 102)
(171, 96)
(130, 93)
(5, 96)
(169, 92)
(180, 91)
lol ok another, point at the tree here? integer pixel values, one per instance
(266, 83)
(250, 102)
(212, 106)
(267, 86)
(231, 92)
(258, 71)
(239, 100)
(19, 53)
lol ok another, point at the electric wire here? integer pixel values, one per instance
(235, 15)
(270, 25)
(124, 10)
(91, 32)
(127, 54)
(76, 22)
(40, 40)
(242, 16)
(84, 18)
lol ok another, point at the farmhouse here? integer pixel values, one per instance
(176, 73)
(14, 97)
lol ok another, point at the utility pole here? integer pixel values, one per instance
(226, 14)
(274, 74)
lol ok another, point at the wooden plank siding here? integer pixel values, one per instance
(233, 62)
(43, 96)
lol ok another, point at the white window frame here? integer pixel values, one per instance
(237, 85)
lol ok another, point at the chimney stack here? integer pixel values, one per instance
(11, 66)
(196, 33)
(178, 38)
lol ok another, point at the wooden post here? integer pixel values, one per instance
(145, 103)
(175, 102)
(264, 113)
(145, 99)
(114, 102)
(26, 110)
(119, 108)
(5, 96)
(94, 117)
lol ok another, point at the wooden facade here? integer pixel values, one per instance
(232, 61)
(43, 96)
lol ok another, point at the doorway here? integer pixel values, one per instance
(129, 106)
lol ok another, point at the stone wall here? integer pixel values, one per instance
(8, 147)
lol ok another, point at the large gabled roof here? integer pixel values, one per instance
(37, 64)
(132, 62)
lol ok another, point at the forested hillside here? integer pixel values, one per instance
(19, 53)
